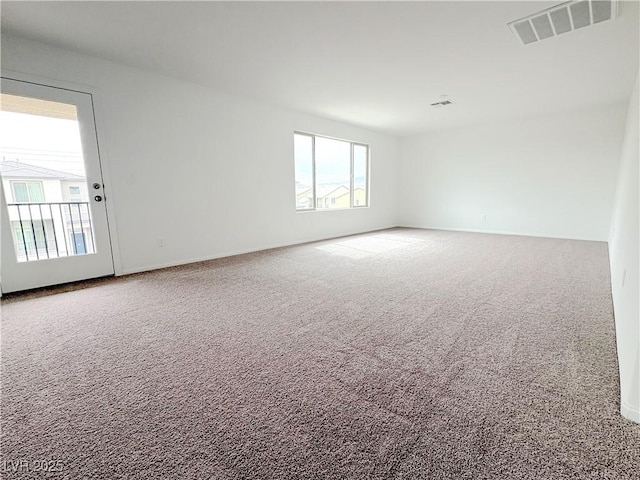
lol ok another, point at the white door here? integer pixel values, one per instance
(54, 220)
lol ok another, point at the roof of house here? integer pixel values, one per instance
(14, 169)
(327, 190)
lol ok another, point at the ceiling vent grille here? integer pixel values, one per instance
(563, 18)
(442, 103)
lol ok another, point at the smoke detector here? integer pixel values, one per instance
(563, 18)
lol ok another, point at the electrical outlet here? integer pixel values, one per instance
(483, 217)
(160, 242)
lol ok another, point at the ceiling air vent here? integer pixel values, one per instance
(442, 103)
(563, 18)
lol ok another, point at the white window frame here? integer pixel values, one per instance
(352, 144)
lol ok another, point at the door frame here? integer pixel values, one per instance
(99, 128)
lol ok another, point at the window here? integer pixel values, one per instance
(74, 190)
(330, 173)
(31, 238)
(27, 192)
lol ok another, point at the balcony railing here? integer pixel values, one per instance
(51, 230)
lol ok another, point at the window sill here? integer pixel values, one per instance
(313, 210)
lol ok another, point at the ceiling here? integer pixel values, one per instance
(374, 64)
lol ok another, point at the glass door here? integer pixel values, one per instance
(54, 218)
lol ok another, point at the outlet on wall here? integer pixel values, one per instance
(483, 217)
(160, 242)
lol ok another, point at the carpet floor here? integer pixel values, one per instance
(397, 354)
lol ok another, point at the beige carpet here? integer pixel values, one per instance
(398, 354)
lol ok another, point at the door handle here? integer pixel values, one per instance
(97, 198)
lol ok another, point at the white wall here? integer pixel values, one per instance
(551, 176)
(210, 174)
(624, 243)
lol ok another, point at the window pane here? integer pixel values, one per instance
(43, 137)
(303, 155)
(36, 195)
(20, 192)
(360, 160)
(333, 173)
(38, 230)
(20, 240)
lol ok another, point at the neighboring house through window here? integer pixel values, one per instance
(48, 211)
(330, 173)
(30, 238)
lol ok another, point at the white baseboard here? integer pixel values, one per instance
(232, 253)
(317, 239)
(504, 232)
(630, 412)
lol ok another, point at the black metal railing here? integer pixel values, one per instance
(51, 230)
